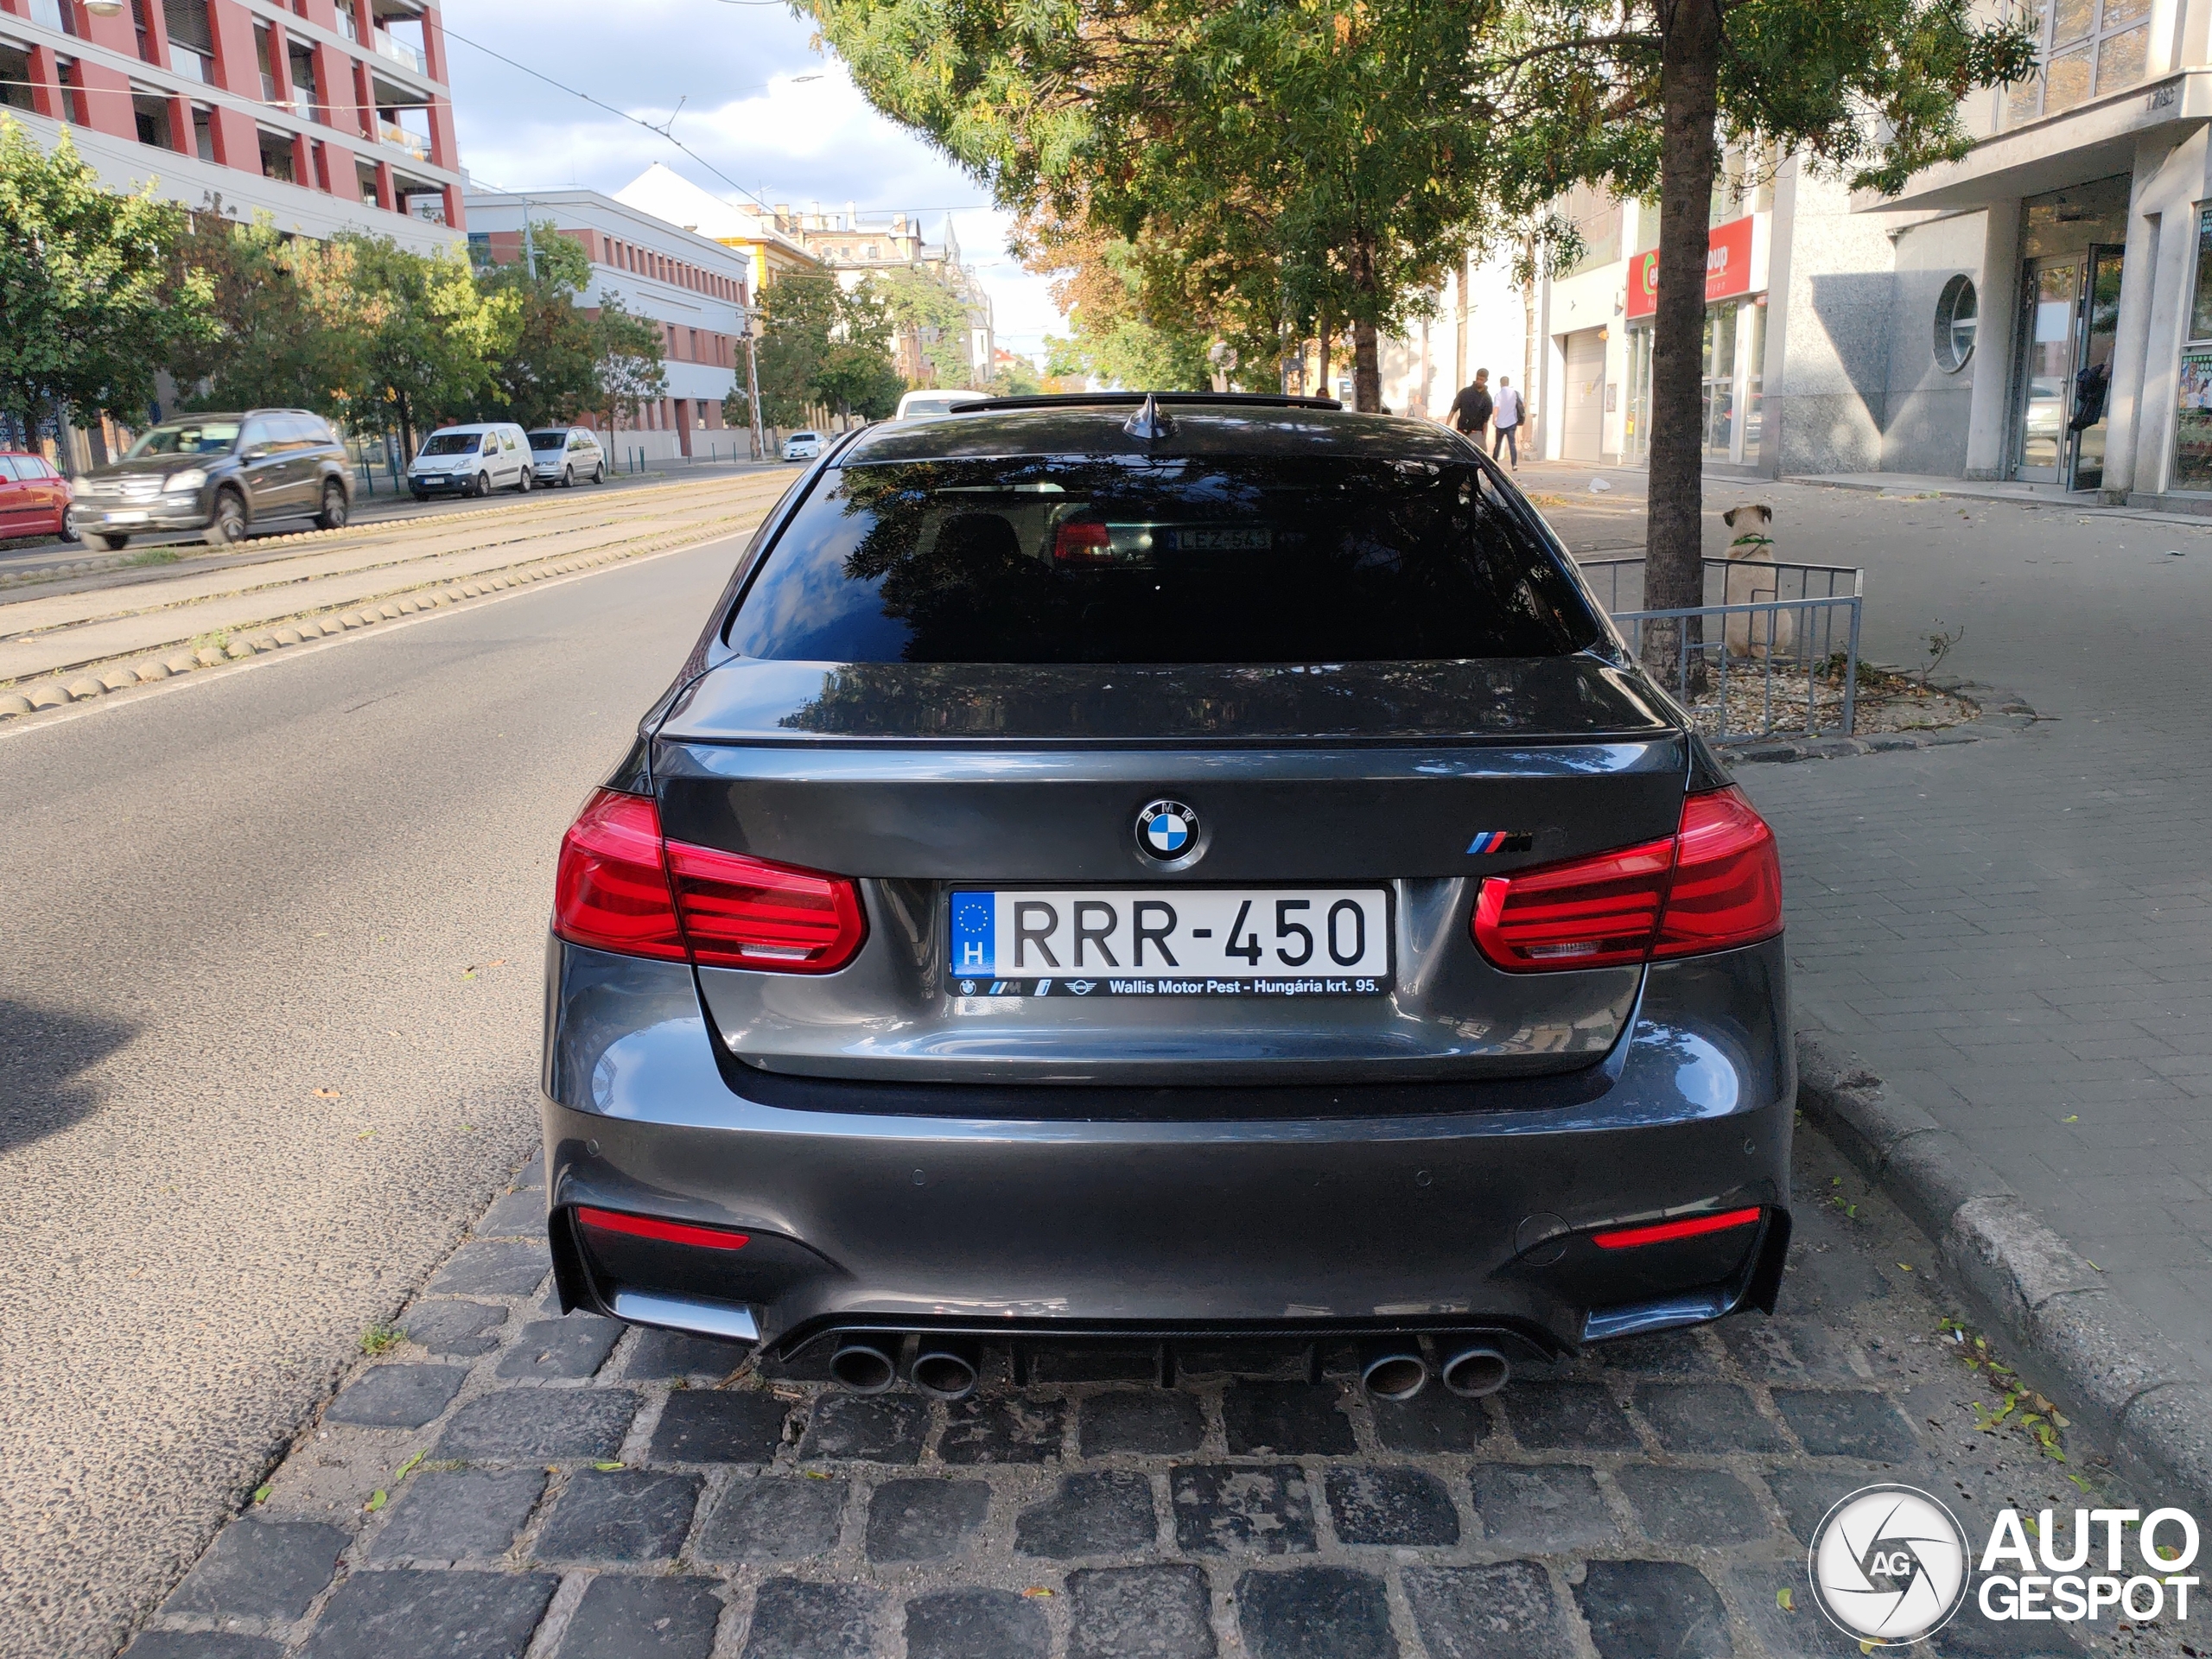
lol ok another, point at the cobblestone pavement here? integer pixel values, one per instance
(502, 1482)
(2016, 934)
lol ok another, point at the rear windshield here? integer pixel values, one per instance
(452, 443)
(1189, 560)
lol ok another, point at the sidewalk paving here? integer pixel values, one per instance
(2016, 934)
(506, 1480)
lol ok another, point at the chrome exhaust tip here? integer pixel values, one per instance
(1474, 1372)
(863, 1368)
(1393, 1373)
(946, 1371)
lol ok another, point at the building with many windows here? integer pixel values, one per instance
(693, 287)
(324, 114)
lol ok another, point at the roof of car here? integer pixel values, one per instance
(1198, 425)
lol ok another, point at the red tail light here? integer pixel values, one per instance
(1629, 1238)
(746, 912)
(1727, 888)
(668, 1232)
(622, 887)
(1716, 885)
(610, 892)
(1080, 543)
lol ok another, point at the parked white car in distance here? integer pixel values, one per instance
(472, 460)
(917, 405)
(803, 446)
(566, 455)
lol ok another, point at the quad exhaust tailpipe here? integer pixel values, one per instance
(863, 1368)
(945, 1370)
(1392, 1371)
(1472, 1373)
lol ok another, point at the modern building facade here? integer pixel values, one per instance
(669, 196)
(695, 289)
(326, 114)
(2038, 314)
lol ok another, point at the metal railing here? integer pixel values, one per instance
(400, 52)
(1774, 649)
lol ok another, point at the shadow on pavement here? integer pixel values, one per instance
(43, 1053)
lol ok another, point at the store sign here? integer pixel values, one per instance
(1727, 268)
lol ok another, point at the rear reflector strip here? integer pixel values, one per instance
(668, 1232)
(1629, 1238)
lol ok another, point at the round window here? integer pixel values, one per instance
(1954, 322)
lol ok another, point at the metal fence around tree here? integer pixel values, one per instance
(1774, 649)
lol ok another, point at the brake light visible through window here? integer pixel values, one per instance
(623, 886)
(1716, 885)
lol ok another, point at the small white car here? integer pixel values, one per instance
(472, 460)
(563, 454)
(803, 446)
(917, 405)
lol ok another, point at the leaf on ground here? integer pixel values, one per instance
(496, 962)
(400, 1473)
(1037, 1590)
(814, 1474)
(2076, 1118)
(1907, 1266)
(326, 1094)
(1785, 1599)
(376, 1501)
(607, 1468)
(261, 1494)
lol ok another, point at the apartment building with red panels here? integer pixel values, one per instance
(325, 114)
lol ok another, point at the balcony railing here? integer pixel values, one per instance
(399, 138)
(402, 53)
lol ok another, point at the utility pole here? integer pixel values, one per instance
(753, 385)
(529, 247)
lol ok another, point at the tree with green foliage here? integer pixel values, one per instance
(1118, 338)
(632, 367)
(431, 340)
(938, 317)
(1274, 163)
(825, 347)
(548, 369)
(1868, 90)
(93, 297)
(287, 326)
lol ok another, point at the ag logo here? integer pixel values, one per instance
(1889, 1565)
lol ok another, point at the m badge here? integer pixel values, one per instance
(1487, 841)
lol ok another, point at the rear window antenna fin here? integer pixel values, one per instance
(1149, 423)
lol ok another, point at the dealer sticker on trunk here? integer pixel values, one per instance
(1171, 942)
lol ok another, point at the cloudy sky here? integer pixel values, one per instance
(737, 67)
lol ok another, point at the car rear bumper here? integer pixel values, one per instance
(1474, 1212)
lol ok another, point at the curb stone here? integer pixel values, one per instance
(2076, 1339)
(2002, 712)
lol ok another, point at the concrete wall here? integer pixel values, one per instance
(1829, 325)
(1928, 408)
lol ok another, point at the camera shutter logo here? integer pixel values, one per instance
(1889, 1565)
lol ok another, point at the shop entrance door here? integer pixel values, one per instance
(2048, 325)
(2092, 387)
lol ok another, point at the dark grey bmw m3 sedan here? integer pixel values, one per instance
(1123, 868)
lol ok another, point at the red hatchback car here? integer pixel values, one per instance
(35, 499)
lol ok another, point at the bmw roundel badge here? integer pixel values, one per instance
(1167, 831)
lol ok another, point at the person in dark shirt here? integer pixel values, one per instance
(1471, 408)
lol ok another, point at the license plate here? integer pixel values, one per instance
(1171, 942)
(131, 516)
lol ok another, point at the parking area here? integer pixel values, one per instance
(502, 1480)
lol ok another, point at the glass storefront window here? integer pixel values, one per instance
(1719, 380)
(2193, 400)
(1635, 432)
(1754, 383)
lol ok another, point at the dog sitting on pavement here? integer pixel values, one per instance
(1754, 633)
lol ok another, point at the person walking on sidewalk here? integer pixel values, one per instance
(1471, 408)
(1505, 416)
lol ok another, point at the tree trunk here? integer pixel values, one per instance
(1366, 368)
(1674, 573)
(1325, 384)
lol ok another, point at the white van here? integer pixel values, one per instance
(472, 460)
(933, 400)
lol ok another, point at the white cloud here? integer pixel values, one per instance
(746, 113)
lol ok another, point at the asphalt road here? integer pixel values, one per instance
(268, 1017)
